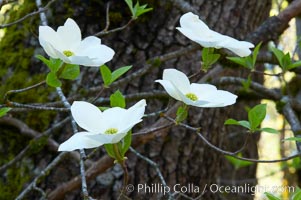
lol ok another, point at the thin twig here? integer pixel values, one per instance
(34, 107)
(151, 130)
(10, 92)
(107, 17)
(24, 129)
(105, 32)
(151, 63)
(81, 151)
(15, 159)
(45, 172)
(41, 10)
(197, 131)
(155, 165)
(294, 122)
(73, 123)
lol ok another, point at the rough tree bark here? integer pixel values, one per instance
(182, 156)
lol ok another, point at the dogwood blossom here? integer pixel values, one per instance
(178, 86)
(196, 30)
(107, 127)
(66, 44)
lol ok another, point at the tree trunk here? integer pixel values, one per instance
(181, 155)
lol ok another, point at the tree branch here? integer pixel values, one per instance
(274, 26)
(269, 93)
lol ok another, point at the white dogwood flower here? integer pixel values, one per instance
(107, 127)
(177, 85)
(196, 30)
(66, 44)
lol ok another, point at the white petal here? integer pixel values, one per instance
(70, 34)
(191, 34)
(211, 39)
(100, 54)
(87, 116)
(220, 98)
(188, 101)
(202, 90)
(240, 48)
(178, 79)
(48, 48)
(214, 97)
(192, 22)
(49, 39)
(207, 38)
(92, 47)
(112, 118)
(133, 115)
(82, 60)
(170, 89)
(196, 30)
(80, 140)
(62, 56)
(108, 138)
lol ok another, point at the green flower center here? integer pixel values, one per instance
(191, 96)
(111, 131)
(68, 53)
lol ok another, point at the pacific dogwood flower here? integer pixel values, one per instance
(177, 85)
(107, 127)
(196, 30)
(66, 44)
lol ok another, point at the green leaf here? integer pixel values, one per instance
(43, 59)
(269, 130)
(52, 64)
(52, 80)
(130, 5)
(117, 100)
(271, 196)
(103, 108)
(137, 10)
(209, 58)
(296, 195)
(141, 9)
(294, 65)
(255, 53)
(231, 122)
(70, 72)
(4, 111)
(256, 115)
(243, 123)
(237, 163)
(246, 84)
(182, 113)
(110, 150)
(297, 139)
(279, 55)
(119, 72)
(238, 60)
(126, 143)
(243, 61)
(296, 163)
(106, 75)
(249, 62)
(55, 64)
(286, 61)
